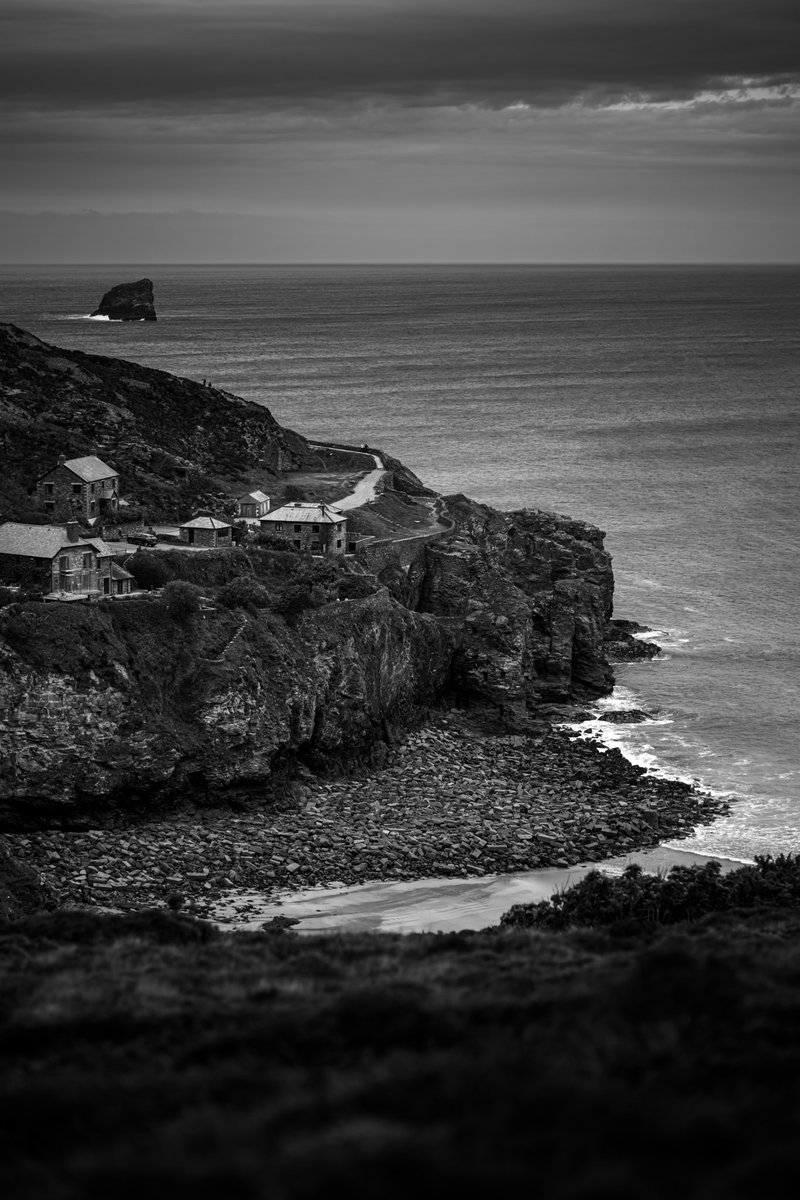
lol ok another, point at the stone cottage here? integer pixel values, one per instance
(206, 531)
(252, 506)
(306, 525)
(86, 486)
(60, 560)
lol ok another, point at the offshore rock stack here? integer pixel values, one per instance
(128, 302)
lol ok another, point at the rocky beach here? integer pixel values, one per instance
(453, 799)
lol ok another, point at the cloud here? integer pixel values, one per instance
(160, 55)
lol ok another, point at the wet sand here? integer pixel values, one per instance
(428, 905)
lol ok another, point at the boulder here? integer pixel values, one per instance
(128, 302)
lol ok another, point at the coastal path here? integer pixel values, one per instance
(367, 488)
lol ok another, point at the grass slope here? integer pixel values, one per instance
(172, 439)
(151, 1054)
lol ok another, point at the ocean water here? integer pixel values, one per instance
(659, 403)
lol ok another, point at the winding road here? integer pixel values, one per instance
(366, 489)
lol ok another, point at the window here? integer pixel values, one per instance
(87, 562)
(76, 489)
(339, 544)
(298, 528)
(48, 487)
(315, 528)
(279, 525)
(91, 489)
(63, 562)
(50, 504)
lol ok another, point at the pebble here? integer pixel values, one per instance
(448, 801)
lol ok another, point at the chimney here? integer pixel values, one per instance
(73, 531)
(62, 458)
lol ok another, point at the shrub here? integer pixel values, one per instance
(244, 592)
(357, 587)
(685, 894)
(271, 541)
(148, 570)
(7, 597)
(181, 600)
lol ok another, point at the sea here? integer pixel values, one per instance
(660, 403)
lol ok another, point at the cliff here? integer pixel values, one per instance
(120, 705)
(173, 441)
(532, 592)
(128, 302)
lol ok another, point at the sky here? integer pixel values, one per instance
(399, 131)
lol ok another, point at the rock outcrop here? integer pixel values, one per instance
(128, 302)
(22, 891)
(527, 596)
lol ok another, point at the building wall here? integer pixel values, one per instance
(75, 570)
(212, 538)
(62, 489)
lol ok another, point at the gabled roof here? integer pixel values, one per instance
(205, 523)
(42, 541)
(306, 512)
(90, 469)
(118, 572)
(258, 497)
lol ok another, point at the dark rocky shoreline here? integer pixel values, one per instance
(453, 799)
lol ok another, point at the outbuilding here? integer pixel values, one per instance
(209, 532)
(252, 506)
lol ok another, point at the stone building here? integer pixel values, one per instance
(60, 560)
(306, 525)
(252, 506)
(206, 531)
(87, 487)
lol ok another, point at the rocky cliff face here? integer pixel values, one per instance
(140, 708)
(128, 302)
(528, 594)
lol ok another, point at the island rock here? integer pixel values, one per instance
(128, 302)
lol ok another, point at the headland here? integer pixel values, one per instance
(300, 718)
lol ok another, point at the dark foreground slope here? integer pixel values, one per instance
(146, 1055)
(171, 439)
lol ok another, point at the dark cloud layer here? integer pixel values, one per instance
(187, 53)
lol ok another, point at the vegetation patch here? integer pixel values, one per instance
(147, 1053)
(684, 894)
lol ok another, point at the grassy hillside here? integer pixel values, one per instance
(149, 1055)
(175, 442)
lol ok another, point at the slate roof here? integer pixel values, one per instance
(305, 512)
(90, 468)
(259, 498)
(205, 523)
(118, 572)
(42, 541)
